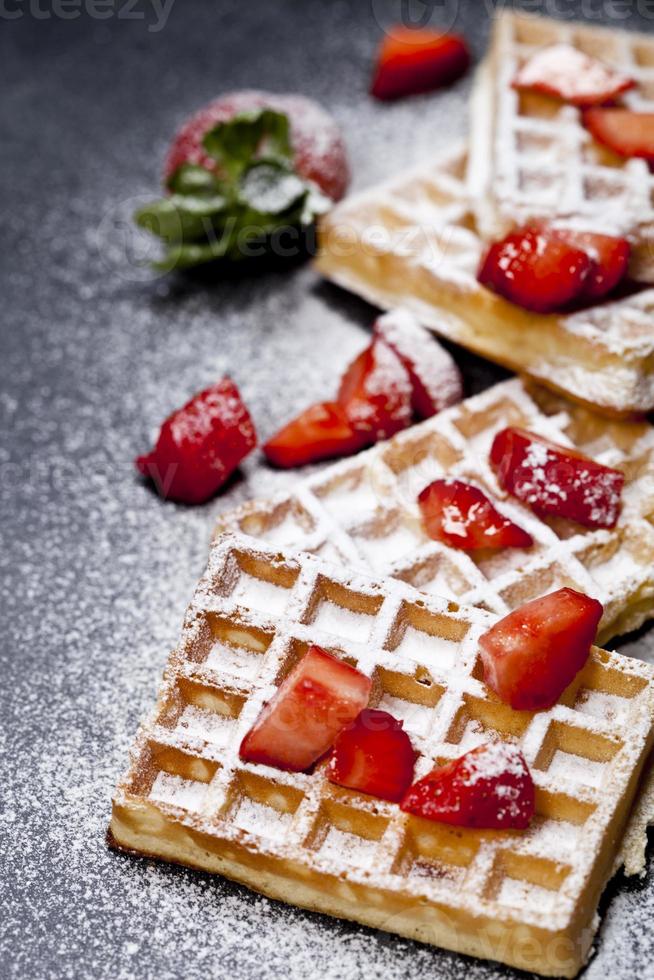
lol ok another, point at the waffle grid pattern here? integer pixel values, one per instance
(363, 512)
(536, 159)
(413, 242)
(254, 614)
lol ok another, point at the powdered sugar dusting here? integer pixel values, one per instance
(98, 570)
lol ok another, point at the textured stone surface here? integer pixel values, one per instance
(96, 569)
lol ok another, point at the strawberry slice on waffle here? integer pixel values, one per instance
(531, 655)
(374, 755)
(627, 133)
(461, 515)
(566, 73)
(318, 699)
(556, 481)
(489, 787)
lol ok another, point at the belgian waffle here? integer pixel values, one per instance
(531, 157)
(363, 511)
(526, 898)
(413, 242)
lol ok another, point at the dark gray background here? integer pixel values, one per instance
(96, 569)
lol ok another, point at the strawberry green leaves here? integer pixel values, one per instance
(236, 212)
(259, 134)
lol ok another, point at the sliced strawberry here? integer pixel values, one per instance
(567, 73)
(320, 432)
(627, 133)
(609, 258)
(535, 270)
(461, 515)
(435, 379)
(200, 445)
(411, 61)
(555, 480)
(318, 147)
(318, 699)
(375, 393)
(532, 654)
(489, 787)
(373, 755)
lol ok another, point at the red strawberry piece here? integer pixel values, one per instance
(320, 432)
(318, 699)
(373, 755)
(555, 480)
(531, 655)
(609, 258)
(435, 379)
(411, 61)
(566, 73)
(461, 515)
(375, 393)
(200, 445)
(535, 270)
(318, 146)
(489, 787)
(627, 133)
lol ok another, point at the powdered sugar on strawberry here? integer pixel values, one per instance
(318, 146)
(436, 379)
(555, 480)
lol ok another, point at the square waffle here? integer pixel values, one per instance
(527, 898)
(363, 511)
(414, 242)
(531, 157)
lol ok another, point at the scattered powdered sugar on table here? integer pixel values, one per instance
(97, 571)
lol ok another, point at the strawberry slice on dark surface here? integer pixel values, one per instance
(555, 480)
(435, 379)
(374, 755)
(410, 61)
(318, 147)
(627, 133)
(375, 393)
(200, 445)
(320, 432)
(535, 270)
(531, 655)
(609, 258)
(318, 699)
(461, 515)
(566, 73)
(489, 788)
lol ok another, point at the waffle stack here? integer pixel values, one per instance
(363, 512)
(343, 561)
(526, 898)
(416, 241)
(531, 158)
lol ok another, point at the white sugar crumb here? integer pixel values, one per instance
(356, 850)
(180, 792)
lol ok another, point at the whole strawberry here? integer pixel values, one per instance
(318, 147)
(244, 177)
